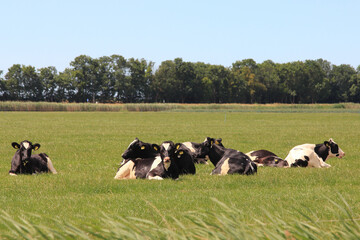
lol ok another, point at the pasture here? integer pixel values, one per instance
(83, 199)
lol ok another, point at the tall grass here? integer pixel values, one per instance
(230, 224)
(156, 107)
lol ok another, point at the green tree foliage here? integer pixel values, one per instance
(116, 79)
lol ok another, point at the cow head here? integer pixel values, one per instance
(182, 152)
(334, 149)
(167, 149)
(139, 149)
(206, 145)
(25, 149)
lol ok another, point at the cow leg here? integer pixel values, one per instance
(155, 178)
(51, 166)
(125, 171)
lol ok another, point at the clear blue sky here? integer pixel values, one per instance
(45, 33)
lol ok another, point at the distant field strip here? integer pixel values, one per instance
(157, 107)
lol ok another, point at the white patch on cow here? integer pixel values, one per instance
(167, 165)
(126, 171)
(166, 146)
(155, 178)
(12, 174)
(26, 145)
(225, 167)
(189, 146)
(156, 162)
(305, 151)
(51, 166)
(253, 158)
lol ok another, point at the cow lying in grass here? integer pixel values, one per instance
(314, 155)
(198, 150)
(24, 162)
(266, 158)
(228, 161)
(180, 155)
(143, 160)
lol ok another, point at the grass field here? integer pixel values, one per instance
(84, 200)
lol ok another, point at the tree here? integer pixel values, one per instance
(340, 82)
(267, 74)
(66, 89)
(2, 86)
(245, 70)
(47, 77)
(119, 70)
(317, 86)
(87, 81)
(184, 80)
(218, 80)
(163, 85)
(14, 86)
(137, 86)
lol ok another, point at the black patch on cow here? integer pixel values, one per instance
(322, 150)
(238, 162)
(301, 163)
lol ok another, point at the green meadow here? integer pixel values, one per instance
(83, 201)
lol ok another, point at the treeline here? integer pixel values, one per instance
(116, 79)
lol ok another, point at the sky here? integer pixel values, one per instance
(44, 33)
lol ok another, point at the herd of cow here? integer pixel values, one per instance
(169, 160)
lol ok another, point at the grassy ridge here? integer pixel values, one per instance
(156, 107)
(86, 149)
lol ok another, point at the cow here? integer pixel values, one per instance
(314, 155)
(266, 158)
(24, 162)
(198, 150)
(144, 160)
(140, 149)
(228, 161)
(149, 168)
(184, 159)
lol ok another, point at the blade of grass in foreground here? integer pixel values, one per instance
(228, 225)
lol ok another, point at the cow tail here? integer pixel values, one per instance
(250, 168)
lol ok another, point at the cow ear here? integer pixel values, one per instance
(15, 145)
(327, 144)
(36, 146)
(156, 147)
(177, 146)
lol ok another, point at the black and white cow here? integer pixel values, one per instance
(24, 162)
(149, 168)
(229, 161)
(314, 155)
(266, 158)
(140, 149)
(145, 161)
(199, 150)
(184, 159)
